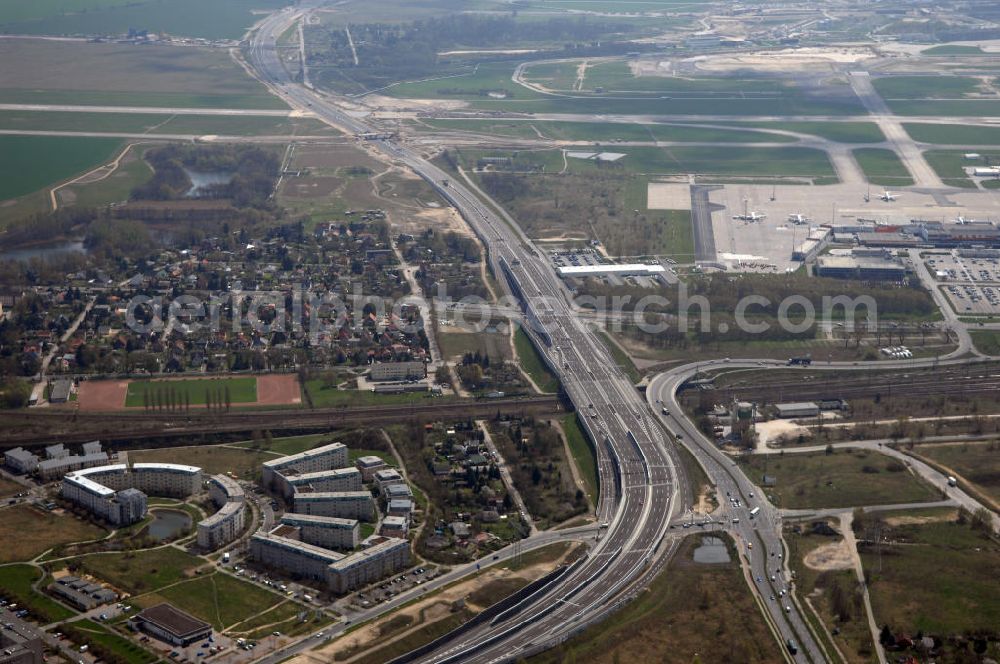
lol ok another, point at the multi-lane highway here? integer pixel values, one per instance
(638, 470)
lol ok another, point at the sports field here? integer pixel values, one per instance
(180, 393)
(196, 392)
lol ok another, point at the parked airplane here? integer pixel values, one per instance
(752, 216)
(798, 219)
(888, 196)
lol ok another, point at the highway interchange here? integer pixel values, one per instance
(640, 475)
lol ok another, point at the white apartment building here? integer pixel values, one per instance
(227, 523)
(117, 493)
(385, 556)
(336, 479)
(368, 465)
(327, 532)
(341, 504)
(295, 557)
(326, 457)
(166, 479)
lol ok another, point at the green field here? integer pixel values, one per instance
(924, 87)
(616, 77)
(213, 459)
(88, 74)
(99, 638)
(218, 19)
(938, 578)
(154, 123)
(609, 131)
(691, 613)
(16, 586)
(975, 463)
(583, 455)
(193, 391)
(687, 97)
(131, 172)
(952, 49)
(32, 162)
(142, 571)
(218, 598)
(840, 132)
(720, 161)
(950, 165)
(883, 167)
(953, 134)
(986, 341)
(532, 364)
(843, 479)
(946, 108)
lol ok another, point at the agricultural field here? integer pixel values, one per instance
(914, 591)
(952, 134)
(28, 532)
(883, 167)
(950, 165)
(33, 162)
(692, 612)
(142, 571)
(219, 599)
(975, 463)
(219, 19)
(86, 74)
(844, 479)
(213, 459)
(196, 392)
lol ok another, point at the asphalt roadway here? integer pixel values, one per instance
(638, 468)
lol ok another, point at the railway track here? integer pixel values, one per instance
(910, 385)
(51, 426)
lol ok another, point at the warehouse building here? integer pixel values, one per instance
(60, 391)
(340, 504)
(327, 532)
(611, 270)
(793, 410)
(172, 625)
(865, 268)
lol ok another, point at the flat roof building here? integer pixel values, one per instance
(801, 409)
(368, 465)
(51, 468)
(20, 461)
(866, 268)
(398, 371)
(335, 479)
(326, 457)
(609, 269)
(291, 555)
(385, 556)
(341, 504)
(327, 532)
(20, 642)
(172, 625)
(60, 391)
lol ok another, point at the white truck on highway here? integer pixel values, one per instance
(754, 512)
(952, 481)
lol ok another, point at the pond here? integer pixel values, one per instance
(168, 523)
(47, 250)
(201, 180)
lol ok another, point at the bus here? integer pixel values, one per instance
(754, 512)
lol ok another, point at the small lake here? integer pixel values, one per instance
(47, 250)
(201, 180)
(168, 523)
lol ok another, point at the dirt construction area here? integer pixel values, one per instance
(109, 395)
(834, 555)
(420, 614)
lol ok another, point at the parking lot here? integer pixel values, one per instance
(389, 588)
(972, 285)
